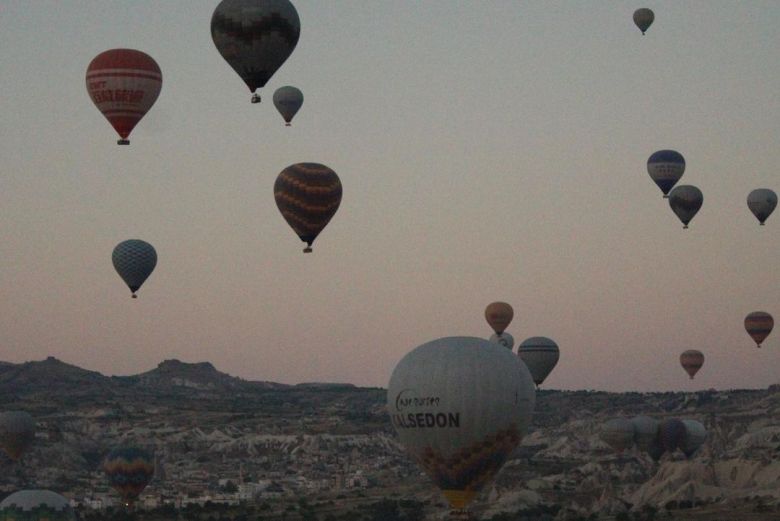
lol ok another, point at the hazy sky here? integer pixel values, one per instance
(488, 151)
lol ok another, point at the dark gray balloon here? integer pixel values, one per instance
(134, 260)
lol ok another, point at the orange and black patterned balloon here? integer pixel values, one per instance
(129, 470)
(759, 324)
(308, 195)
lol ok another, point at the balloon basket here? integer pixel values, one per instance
(255, 98)
(307, 249)
(133, 296)
(123, 142)
(288, 124)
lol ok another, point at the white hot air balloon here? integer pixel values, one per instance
(460, 406)
(36, 505)
(540, 354)
(504, 339)
(762, 202)
(288, 101)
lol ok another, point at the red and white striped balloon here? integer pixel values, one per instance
(123, 84)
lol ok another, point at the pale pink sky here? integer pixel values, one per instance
(488, 151)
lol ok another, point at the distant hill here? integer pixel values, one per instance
(50, 376)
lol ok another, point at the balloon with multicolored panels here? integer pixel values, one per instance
(17, 432)
(255, 37)
(666, 167)
(307, 195)
(759, 324)
(129, 470)
(36, 505)
(460, 406)
(123, 84)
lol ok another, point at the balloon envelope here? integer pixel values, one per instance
(618, 433)
(129, 470)
(134, 260)
(695, 435)
(646, 436)
(499, 315)
(691, 360)
(123, 84)
(685, 201)
(460, 405)
(666, 167)
(288, 101)
(308, 195)
(759, 324)
(541, 355)
(762, 202)
(643, 18)
(672, 434)
(255, 37)
(36, 505)
(17, 433)
(504, 339)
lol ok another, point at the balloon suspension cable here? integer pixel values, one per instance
(255, 97)
(123, 142)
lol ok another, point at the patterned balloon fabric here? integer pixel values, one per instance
(129, 470)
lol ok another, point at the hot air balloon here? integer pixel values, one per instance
(499, 315)
(540, 354)
(646, 436)
(672, 434)
(666, 167)
(695, 435)
(691, 360)
(618, 433)
(255, 37)
(762, 202)
(504, 339)
(36, 505)
(123, 84)
(288, 101)
(643, 18)
(758, 325)
(685, 201)
(134, 260)
(308, 195)
(460, 405)
(129, 470)
(17, 432)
